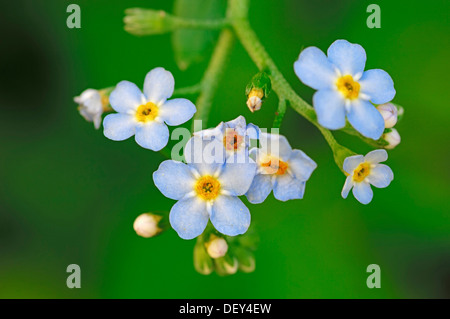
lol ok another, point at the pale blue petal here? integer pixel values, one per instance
(253, 131)
(366, 119)
(330, 108)
(286, 188)
(230, 216)
(209, 134)
(275, 145)
(206, 156)
(348, 57)
(380, 176)
(260, 189)
(119, 126)
(362, 192)
(238, 124)
(314, 69)
(177, 111)
(174, 179)
(159, 85)
(189, 217)
(301, 165)
(152, 135)
(126, 97)
(347, 186)
(236, 178)
(378, 85)
(352, 162)
(376, 156)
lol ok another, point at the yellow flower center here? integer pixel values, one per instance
(361, 172)
(348, 87)
(207, 187)
(232, 140)
(147, 112)
(274, 165)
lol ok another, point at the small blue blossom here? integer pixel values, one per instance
(280, 168)
(235, 136)
(205, 189)
(145, 115)
(366, 170)
(344, 88)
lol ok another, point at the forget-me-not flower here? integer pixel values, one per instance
(91, 103)
(205, 190)
(279, 168)
(344, 88)
(145, 115)
(366, 170)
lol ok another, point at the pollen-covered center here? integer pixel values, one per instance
(232, 140)
(274, 165)
(147, 112)
(361, 172)
(348, 87)
(207, 187)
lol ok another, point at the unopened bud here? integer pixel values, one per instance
(147, 225)
(216, 247)
(245, 258)
(91, 105)
(389, 113)
(147, 21)
(202, 261)
(393, 138)
(257, 90)
(226, 265)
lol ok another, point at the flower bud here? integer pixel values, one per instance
(203, 263)
(393, 138)
(216, 247)
(91, 106)
(147, 225)
(148, 21)
(257, 90)
(245, 258)
(389, 113)
(226, 265)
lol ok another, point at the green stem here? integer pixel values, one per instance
(184, 23)
(188, 90)
(279, 115)
(212, 76)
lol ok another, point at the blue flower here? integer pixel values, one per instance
(366, 170)
(344, 89)
(146, 115)
(206, 188)
(235, 137)
(280, 168)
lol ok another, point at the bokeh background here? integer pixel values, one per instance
(69, 195)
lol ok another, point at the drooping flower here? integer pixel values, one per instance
(91, 105)
(235, 136)
(205, 189)
(145, 115)
(344, 88)
(365, 171)
(280, 168)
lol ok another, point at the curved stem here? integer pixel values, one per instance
(279, 115)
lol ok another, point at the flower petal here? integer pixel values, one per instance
(376, 156)
(348, 57)
(126, 97)
(380, 176)
(177, 111)
(158, 85)
(352, 162)
(275, 145)
(207, 156)
(330, 108)
(362, 192)
(301, 165)
(174, 179)
(347, 186)
(152, 135)
(119, 126)
(366, 119)
(286, 187)
(314, 69)
(378, 85)
(259, 189)
(230, 216)
(189, 217)
(237, 177)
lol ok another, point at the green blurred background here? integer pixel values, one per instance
(69, 195)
